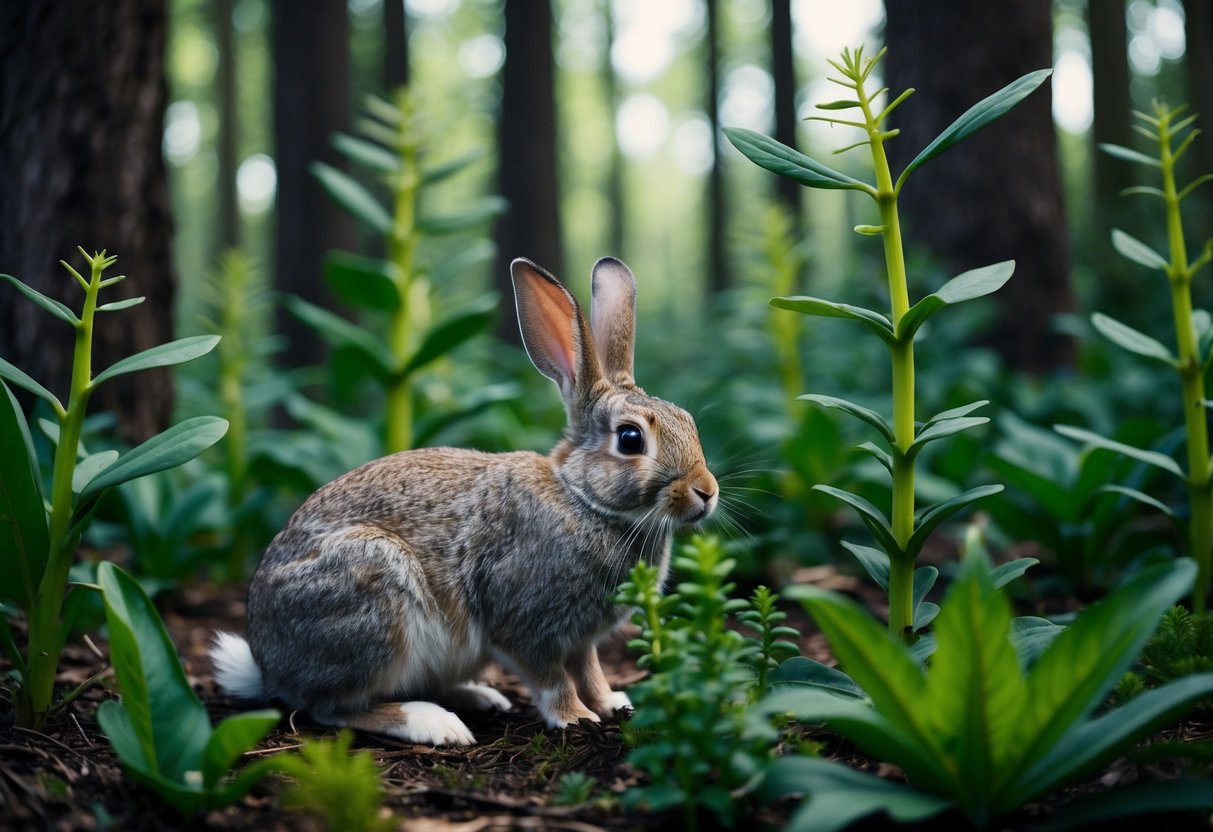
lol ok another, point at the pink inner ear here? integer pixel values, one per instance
(557, 328)
(560, 347)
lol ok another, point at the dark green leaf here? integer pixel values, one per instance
(875, 321)
(878, 453)
(924, 614)
(49, 304)
(1131, 339)
(24, 538)
(956, 412)
(872, 517)
(1149, 457)
(464, 259)
(1032, 636)
(977, 117)
(1137, 251)
(924, 579)
(1153, 800)
(783, 160)
(362, 281)
(449, 335)
(947, 427)
(444, 170)
(175, 446)
(873, 561)
(858, 411)
(90, 467)
(231, 738)
(340, 332)
(470, 406)
(164, 355)
(120, 304)
(1140, 497)
(17, 376)
(1128, 155)
(488, 208)
(1009, 571)
(801, 672)
(936, 514)
(353, 197)
(970, 285)
(374, 156)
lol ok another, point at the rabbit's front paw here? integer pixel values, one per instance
(425, 722)
(619, 701)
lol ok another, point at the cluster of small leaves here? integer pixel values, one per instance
(770, 649)
(1004, 713)
(342, 789)
(572, 789)
(1182, 646)
(695, 741)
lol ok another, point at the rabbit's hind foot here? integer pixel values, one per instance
(418, 722)
(470, 696)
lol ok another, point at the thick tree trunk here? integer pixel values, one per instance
(526, 132)
(783, 71)
(617, 227)
(1113, 124)
(311, 102)
(82, 100)
(227, 143)
(997, 195)
(1198, 28)
(718, 268)
(395, 45)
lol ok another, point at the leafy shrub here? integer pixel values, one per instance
(340, 788)
(1182, 646)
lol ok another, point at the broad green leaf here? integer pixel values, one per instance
(798, 672)
(875, 321)
(1072, 677)
(975, 118)
(175, 446)
(1145, 499)
(449, 335)
(166, 716)
(1151, 800)
(120, 304)
(90, 467)
(1130, 339)
(1137, 251)
(444, 170)
(116, 723)
(970, 285)
(947, 427)
(164, 355)
(975, 690)
(374, 156)
(924, 580)
(474, 216)
(1032, 636)
(924, 614)
(858, 411)
(837, 796)
(353, 197)
(19, 377)
(231, 738)
(872, 517)
(936, 514)
(873, 561)
(362, 281)
(1090, 745)
(956, 412)
(24, 538)
(1128, 154)
(340, 332)
(49, 304)
(785, 161)
(1009, 571)
(1149, 457)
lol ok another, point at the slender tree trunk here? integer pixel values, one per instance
(1198, 28)
(526, 132)
(227, 142)
(311, 101)
(617, 228)
(783, 71)
(82, 100)
(718, 267)
(1110, 71)
(395, 45)
(997, 195)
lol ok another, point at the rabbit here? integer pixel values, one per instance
(392, 587)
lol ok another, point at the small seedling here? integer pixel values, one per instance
(340, 788)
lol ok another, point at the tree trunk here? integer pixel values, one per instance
(395, 45)
(783, 71)
(227, 142)
(617, 227)
(1198, 28)
(718, 267)
(82, 100)
(526, 168)
(997, 195)
(311, 101)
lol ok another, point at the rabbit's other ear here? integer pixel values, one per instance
(613, 317)
(554, 331)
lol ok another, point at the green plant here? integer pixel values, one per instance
(1193, 332)
(396, 143)
(340, 788)
(901, 536)
(995, 721)
(768, 650)
(689, 727)
(38, 540)
(573, 789)
(160, 729)
(1182, 646)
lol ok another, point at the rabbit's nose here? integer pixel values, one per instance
(704, 495)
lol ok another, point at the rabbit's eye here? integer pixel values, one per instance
(629, 440)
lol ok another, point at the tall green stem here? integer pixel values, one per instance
(401, 251)
(1200, 487)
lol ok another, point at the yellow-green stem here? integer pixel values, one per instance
(232, 394)
(402, 249)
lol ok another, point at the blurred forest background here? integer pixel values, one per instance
(173, 131)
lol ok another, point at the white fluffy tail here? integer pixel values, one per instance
(235, 670)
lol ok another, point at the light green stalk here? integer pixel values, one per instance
(235, 289)
(402, 248)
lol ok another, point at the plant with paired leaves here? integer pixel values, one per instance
(395, 145)
(1004, 714)
(690, 729)
(340, 788)
(1193, 331)
(901, 536)
(38, 538)
(160, 729)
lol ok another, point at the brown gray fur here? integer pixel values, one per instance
(401, 580)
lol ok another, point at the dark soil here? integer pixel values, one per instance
(67, 778)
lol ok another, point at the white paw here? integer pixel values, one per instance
(619, 701)
(470, 696)
(425, 722)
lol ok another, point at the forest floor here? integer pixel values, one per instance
(66, 777)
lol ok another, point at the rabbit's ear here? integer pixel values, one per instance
(554, 331)
(613, 316)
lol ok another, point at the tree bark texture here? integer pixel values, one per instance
(82, 100)
(311, 102)
(526, 168)
(783, 72)
(1198, 56)
(1113, 121)
(718, 267)
(997, 195)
